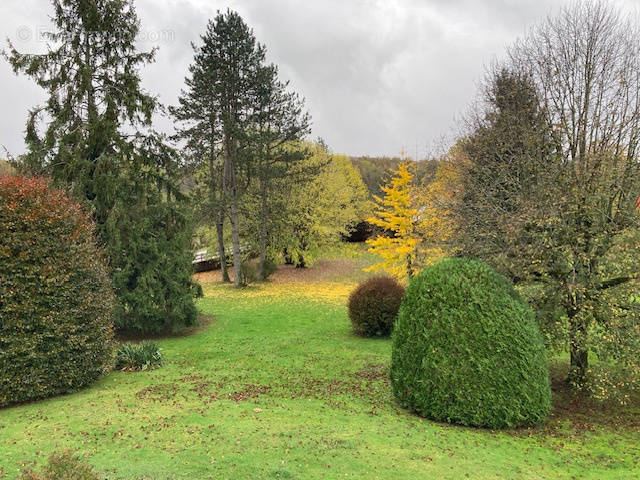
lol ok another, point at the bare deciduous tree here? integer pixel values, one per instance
(561, 210)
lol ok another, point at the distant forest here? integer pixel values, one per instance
(375, 171)
(5, 167)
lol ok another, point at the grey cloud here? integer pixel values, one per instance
(377, 75)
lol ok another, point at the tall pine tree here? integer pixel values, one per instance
(98, 141)
(280, 156)
(240, 125)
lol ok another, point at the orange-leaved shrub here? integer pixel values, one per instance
(56, 301)
(373, 306)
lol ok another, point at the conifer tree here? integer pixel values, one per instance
(242, 125)
(218, 109)
(280, 156)
(396, 214)
(97, 140)
(199, 125)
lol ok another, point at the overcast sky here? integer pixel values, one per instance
(377, 75)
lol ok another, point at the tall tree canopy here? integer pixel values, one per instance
(320, 211)
(241, 121)
(97, 140)
(551, 190)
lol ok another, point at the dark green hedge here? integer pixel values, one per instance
(55, 298)
(373, 306)
(467, 349)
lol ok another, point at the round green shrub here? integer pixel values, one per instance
(373, 306)
(56, 302)
(467, 349)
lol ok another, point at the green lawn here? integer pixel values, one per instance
(277, 387)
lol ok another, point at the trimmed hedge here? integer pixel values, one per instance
(467, 349)
(373, 306)
(56, 303)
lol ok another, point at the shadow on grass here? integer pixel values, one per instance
(585, 414)
(202, 322)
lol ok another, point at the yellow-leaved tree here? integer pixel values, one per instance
(436, 202)
(397, 215)
(417, 220)
(320, 212)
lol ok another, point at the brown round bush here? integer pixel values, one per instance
(373, 306)
(56, 301)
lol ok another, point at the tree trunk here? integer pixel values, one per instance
(230, 188)
(578, 350)
(262, 273)
(579, 365)
(235, 240)
(216, 187)
(221, 252)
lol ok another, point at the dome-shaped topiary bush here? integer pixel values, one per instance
(467, 349)
(56, 301)
(373, 306)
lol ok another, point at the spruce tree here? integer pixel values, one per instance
(97, 140)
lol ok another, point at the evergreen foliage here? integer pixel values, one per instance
(56, 301)
(241, 128)
(97, 140)
(467, 349)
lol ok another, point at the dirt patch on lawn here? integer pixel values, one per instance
(574, 414)
(370, 385)
(585, 414)
(321, 271)
(249, 391)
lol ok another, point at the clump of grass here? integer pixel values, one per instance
(135, 357)
(63, 466)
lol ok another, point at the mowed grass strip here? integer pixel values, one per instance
(276, 386)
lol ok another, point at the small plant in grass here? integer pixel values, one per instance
(373, 306)
(133, 357)
(467, 349)
(270, 267)
(248, 273)
(63, 466)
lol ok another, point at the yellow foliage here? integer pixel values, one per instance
(315, 290)
(396, 213)
(420, 218)
(324, 209)
(436, 200)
